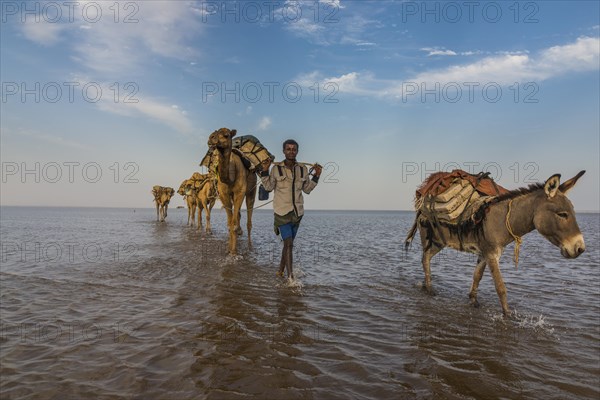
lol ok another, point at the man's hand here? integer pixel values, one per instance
(317, 169)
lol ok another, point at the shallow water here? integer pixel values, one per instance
(110, 304)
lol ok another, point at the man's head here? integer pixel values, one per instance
(290, 149)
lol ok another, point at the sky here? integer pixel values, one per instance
(101, 100)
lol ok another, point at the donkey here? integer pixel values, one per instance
(505, 219)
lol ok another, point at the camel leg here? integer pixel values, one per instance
(237, 205)
(208, 229)
(191, 214)
(208, 208)
(157, 212)
(200, 207)
(493, 262)
(227, 204)
(238, 228)
(477, 275)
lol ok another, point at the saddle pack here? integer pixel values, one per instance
(455, 197)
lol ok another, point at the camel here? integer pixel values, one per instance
(235, 182)
(506, 218)
(188, 191)
(205, 198)
(162, 196)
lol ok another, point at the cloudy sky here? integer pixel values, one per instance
(103, 100)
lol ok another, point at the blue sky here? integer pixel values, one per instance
(390, 92)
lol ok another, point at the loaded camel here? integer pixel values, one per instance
(200, 191)
(162, 196)
(235, 182)
(189, 193)
(205, 198)
(506, 218)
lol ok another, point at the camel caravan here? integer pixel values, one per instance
(466, 212)
(471, 213)
(232, 167)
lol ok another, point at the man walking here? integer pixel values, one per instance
(288, 179)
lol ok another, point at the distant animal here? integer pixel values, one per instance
(498, 222)
(235, 182)
(162, 196)
(206, 197)
(189, 192)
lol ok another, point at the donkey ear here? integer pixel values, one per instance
(233, 132)
(551, 185)
(568, 185)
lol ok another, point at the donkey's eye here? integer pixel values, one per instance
(563, 214)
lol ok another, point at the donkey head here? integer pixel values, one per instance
(221, 139)
(554, 216)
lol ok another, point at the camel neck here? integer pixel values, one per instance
(223, 166)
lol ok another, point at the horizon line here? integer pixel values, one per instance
(243, 209)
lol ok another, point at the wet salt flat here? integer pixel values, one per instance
(110, 304)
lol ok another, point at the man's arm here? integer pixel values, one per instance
(310, 184)
(268, 181)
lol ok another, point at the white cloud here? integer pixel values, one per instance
(264, 123)
(42, 32)
(129, 103)
(143, 30)
(152, 109)
(327, 26)
(581, 55)
(438, 52)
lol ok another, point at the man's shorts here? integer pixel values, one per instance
(288, 230)
(287, 225)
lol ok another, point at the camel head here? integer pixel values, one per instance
(221, 139)
(166, 194)
(183, 187)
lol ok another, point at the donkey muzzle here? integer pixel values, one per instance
(573, 247)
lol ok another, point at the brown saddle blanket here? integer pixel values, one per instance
(455, 196)
(439, 182)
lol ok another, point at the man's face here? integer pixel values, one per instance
(290, 151)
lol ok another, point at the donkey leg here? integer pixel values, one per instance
(477, 275)
(426, 261)
(493, 262)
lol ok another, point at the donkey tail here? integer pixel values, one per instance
(411, 233)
